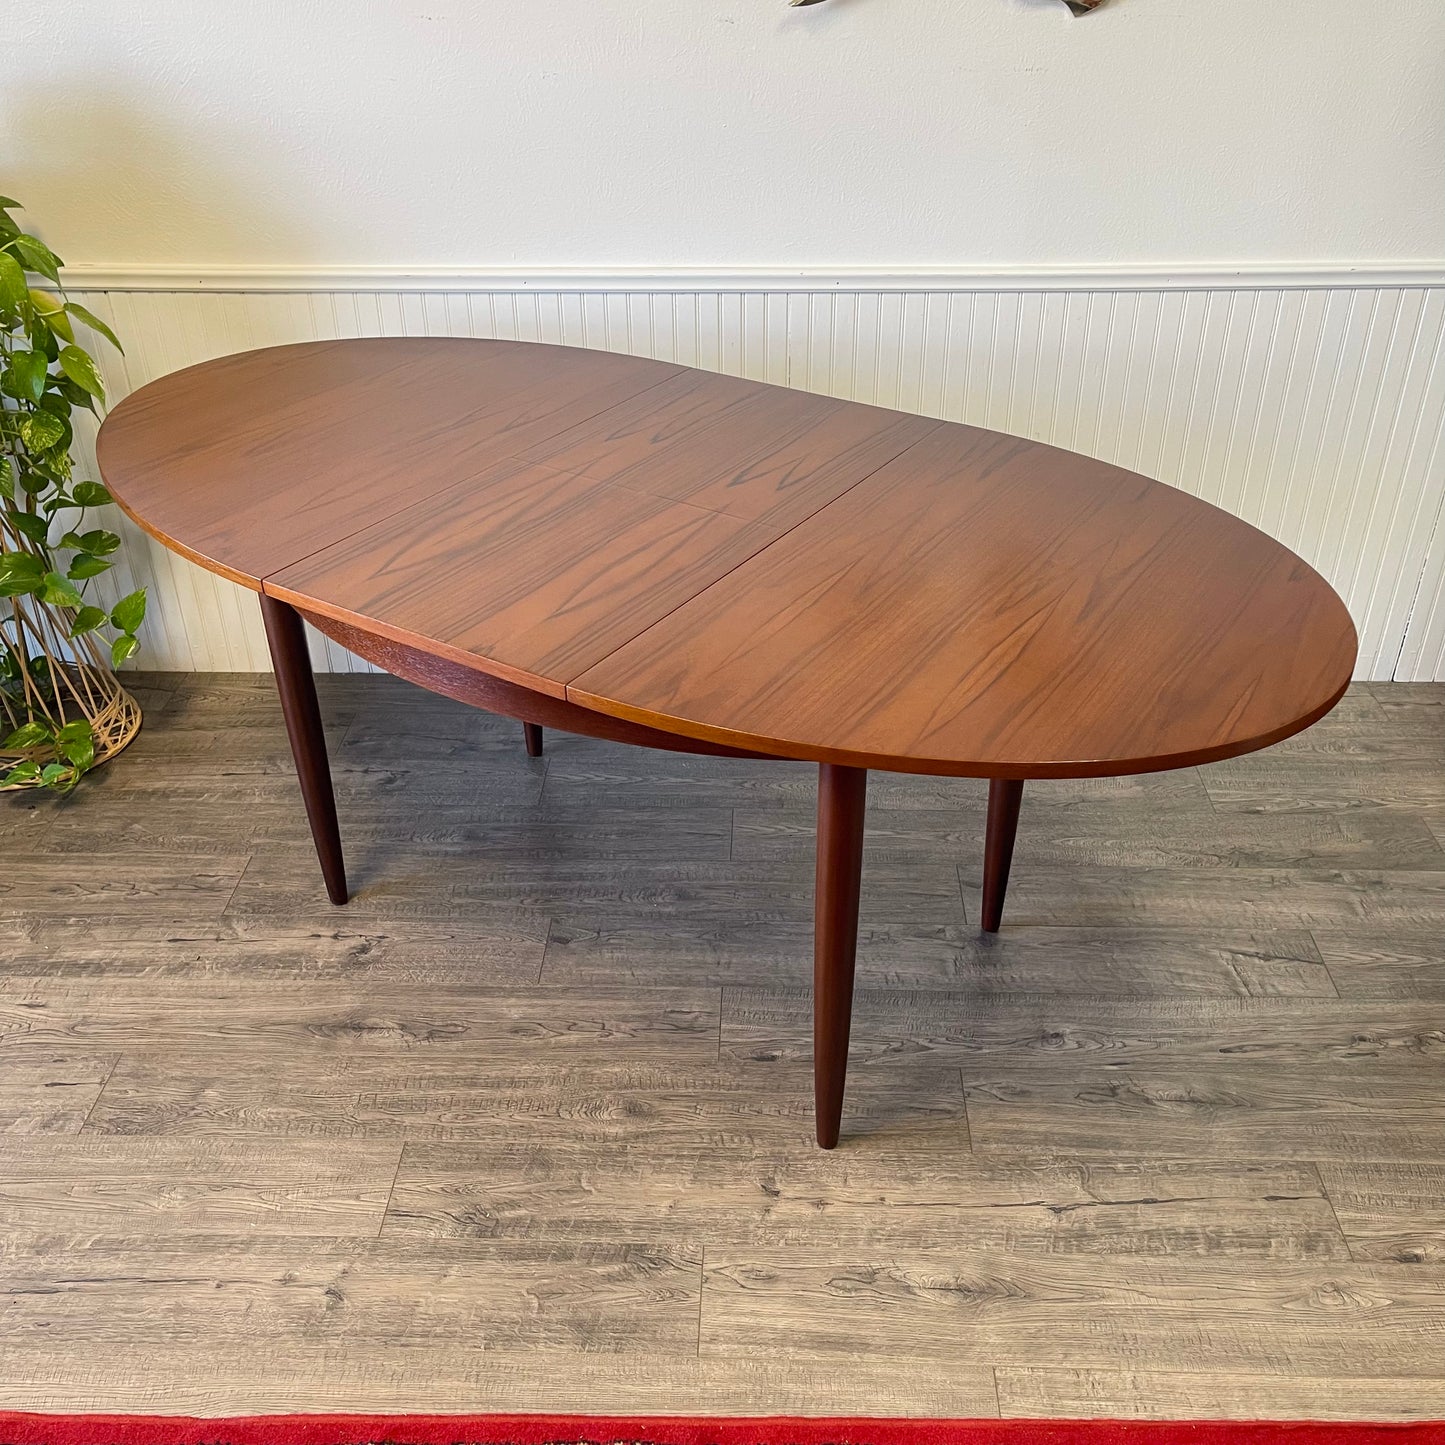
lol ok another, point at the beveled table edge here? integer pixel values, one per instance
(952, 768)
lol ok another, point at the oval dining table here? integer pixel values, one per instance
(647, 553)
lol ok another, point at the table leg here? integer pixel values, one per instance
(842, 793)
(533, 733)
(286, 635)
(1004, 797)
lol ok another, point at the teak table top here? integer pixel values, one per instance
(736, 562)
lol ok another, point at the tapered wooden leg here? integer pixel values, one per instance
(1004, 797)
(287, 637)
(841, 796)
(533, 733)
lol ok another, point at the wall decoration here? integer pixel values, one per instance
(1079, 7)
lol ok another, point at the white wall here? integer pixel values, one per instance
(1204, 238)
(728, 133)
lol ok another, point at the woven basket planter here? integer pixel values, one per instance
(62, 679)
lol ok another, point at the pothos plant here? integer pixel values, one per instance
(49, 552)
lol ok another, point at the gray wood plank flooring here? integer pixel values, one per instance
(527, 1126)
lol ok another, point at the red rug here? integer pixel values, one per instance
(27, 1429)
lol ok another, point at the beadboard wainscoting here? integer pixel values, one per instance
(1310, 403)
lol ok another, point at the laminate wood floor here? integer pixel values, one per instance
(527, 1126)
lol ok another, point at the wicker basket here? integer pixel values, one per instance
(75, 680)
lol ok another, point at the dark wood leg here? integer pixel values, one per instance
(841, 796)
(1004, 797)
(286, 635)
(533, 733)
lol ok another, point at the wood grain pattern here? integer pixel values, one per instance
(986, 606)
(1103, 962)
(255, 460)
(655, 1099)
(1014, 1310)
(462, 682)
(31, 885)
(1230, 1112)
(731, 446)
(268, 1016)
(888, 1198)
(364, 1375)
(738, 563)
(1270, 898)
(1045, 1035)
(162, 946)
(92, 1184)
(1033, 1393)
(1095, 833)
(1390, 1212)
(504, 1295)
(1385, 962)
(51, 1092)
(521, 572)
(1122, 1164)
(582, 893)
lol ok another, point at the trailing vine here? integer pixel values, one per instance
(50, 552)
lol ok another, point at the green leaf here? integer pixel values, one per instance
(12, 282)
(95, 323)
(20, 572)
(81, 755)
(38, 256)
(61, 445)
(25, 376)
(99, 544)
(122, 648)
(81, 370)
(76, 742)
(129, 612)
(30, 525)
(85, 566)
(7, 204)
(42, 338)
(41, 430)
(59, 592)
(28, 735)
(90, 494)
(75, 395)
(53, 773)
(50, 309)
(87, 620)
(21, 773)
